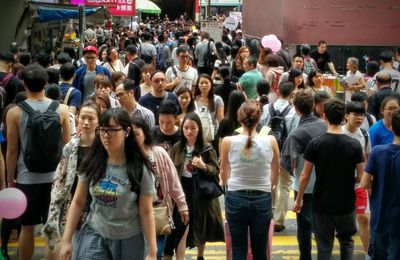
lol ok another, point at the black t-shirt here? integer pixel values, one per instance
(225, 128)
(321, 59)
(163, 140)
(335, 157)
(135, 71)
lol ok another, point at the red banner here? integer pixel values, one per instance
(116, 7)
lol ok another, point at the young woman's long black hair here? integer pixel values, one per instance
(94, 164)
(199, 145)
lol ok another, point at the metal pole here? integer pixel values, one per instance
(208, 10)
(81, 29)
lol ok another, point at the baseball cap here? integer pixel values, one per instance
(90, 48)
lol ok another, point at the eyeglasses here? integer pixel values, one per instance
(391, 109)
(357, 114)
(184, 56)
(109, 131)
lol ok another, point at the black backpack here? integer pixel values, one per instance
(209, 57)
(43, 148)
(277, 123)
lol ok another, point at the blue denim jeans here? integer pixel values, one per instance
(387, 247)
(249, 211)
(304, 227)
(160, 245)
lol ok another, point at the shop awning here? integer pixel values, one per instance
(47, 14)
(146, 6)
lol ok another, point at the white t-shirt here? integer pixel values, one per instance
(188, 77)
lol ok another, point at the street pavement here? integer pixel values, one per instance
(284, 244)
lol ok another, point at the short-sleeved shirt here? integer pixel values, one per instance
(114, 211)
(321, 59)
(153, 103)
(188, 77)
(133, 70)
(335, 157)
(163, 140)
(383, 165)
(218, 102)
(145, 114)
(379, 134)
(148, 49)
(75, 98)
(201, 50)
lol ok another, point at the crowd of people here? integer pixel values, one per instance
(132, 125)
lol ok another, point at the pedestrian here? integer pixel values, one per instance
(250, 169)
(191, 155)
(36, 187)
(66, 176)
(292, 160)
(117, 178)
(382, 176)
(168, 187)
(333, 196)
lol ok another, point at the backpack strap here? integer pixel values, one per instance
(67, 95)
(174, 71)
(272, 111)
(369, 119)
(26, 107)
(286, 111)
(365, 134)
(53, 106)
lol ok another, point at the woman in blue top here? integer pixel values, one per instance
(380, 132)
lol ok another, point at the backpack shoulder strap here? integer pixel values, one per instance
(272, 111)
(174, 71)
(286, 110)
(67, 95)
(365, 134)
(26, 107)
(53, 106)
(369, 119)
(165, 98)
(6, 79)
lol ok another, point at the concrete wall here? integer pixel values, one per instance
(10, 14)
(339, 22)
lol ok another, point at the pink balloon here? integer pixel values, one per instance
(12, 203)
(272, 42)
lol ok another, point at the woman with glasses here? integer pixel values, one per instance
(380, 132)
(168, 186)
(116, 176)
(250, 169)
(66, 176)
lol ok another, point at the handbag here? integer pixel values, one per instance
(205, 187)
(162, 219)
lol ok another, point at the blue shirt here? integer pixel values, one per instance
(384, 165)
(153, 103)
(379, 134)
(75, 98)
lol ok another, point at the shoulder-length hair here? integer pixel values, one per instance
(199, 145)
(94, 164)
(183, 90)
(197, 92)
(140, 123)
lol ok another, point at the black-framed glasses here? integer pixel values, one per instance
(121, 94)
(109, 131)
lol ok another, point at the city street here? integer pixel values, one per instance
(284, 244)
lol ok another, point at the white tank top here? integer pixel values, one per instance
(250, 170)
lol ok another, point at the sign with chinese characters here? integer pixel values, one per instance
(214, 28)
(116, 7)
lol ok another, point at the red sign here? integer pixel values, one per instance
(116, 7)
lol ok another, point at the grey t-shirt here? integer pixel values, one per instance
(114, 209)
(88, 84)
(148, 49)
(201, 50)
